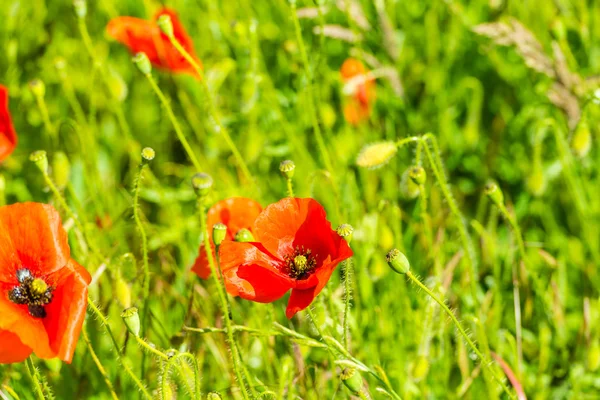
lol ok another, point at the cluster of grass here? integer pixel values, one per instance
(505, 90)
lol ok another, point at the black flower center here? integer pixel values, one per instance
(32, 292)
(300, 264)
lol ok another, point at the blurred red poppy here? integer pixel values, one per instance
(140, 35)
(361, 89)
(236, 213)
(8, 136)
(43, 292)
(295, 249)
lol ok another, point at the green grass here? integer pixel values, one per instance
(499, 108)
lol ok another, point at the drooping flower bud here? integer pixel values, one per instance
(165, 24)
(148, 155)
(376, 155)
(61, 169)
(244, 235)
(202, 182)
(494, 193)
(536, 181)
(420, 368)
(581, 143)
(123, 292)
(143, 63)
(352, 379)
(37, 87)
(80, 8)
(40, 159)
(213, 396)
(345, 231)
(219, 232)
(287, 168)
(398, 261)
(417, 174)
(132, 320)
(408, 187)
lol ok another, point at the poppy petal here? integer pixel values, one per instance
(12, 350)
(8, 136)
(252, 273)
(201, 266)
(37, 237)
(236, 213)
(66, 312)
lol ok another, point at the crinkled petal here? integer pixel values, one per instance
(12, 350)
(201, 266)
(236, 213)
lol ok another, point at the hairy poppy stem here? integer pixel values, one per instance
(173, 119)
(35, 377)
(309, 85)
(235, 357)
(122, 360)
(98, 363)
(484, 361)
(212, 108)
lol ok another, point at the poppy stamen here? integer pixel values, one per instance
(32, 292)
(300, 264)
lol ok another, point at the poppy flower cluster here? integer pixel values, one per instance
(142, 36)
(8, 137)
(43, 291)
(360, 88)
(294, 248)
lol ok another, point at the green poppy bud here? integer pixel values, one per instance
(536, 181)
(202, 182)
(352, 379)
(345, 231)
(287, 168)
(148, 155)
(244, 235)
(420, 368)
(376, 155)
(165, 24)
(494, 193)
(40, 159)
(61, 169)
(213, 396)
(417, 174)
(408, 187)
(219, 232)
(581, 143)
(123, 292)
(398, 261)
(37, 87)
(132, 320)
(593, 356)
(80, 8)
(143, 63)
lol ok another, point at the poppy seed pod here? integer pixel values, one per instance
(165, 24)
(80, 7)
(202, 182)
(244, 236)
(352, 379)
(376, 155)
(494, 193)
(345, 231)
(287, 168)
(148, 154)
(143, 63)
(218, 233)
(398, 261)
(37, 87)
(40, 159)
(132, 320)
(417, 174)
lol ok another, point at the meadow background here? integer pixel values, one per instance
(506, 88)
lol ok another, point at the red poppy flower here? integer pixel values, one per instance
(145, 36)
(362, 93)
(8, 137)
(295, 249)
(43, 292)
(236, 213)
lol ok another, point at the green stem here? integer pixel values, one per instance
(212, 108)
(120, 355)
(223, 302)
(290, 188)
(174, 121)
(98, 364)
(484, 361)
(46, 117)
(144, 238)
(311, 96)
(34, 374)
(347, 297)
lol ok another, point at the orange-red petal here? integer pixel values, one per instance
(31, 237)
(12, 350)
(8, 136)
